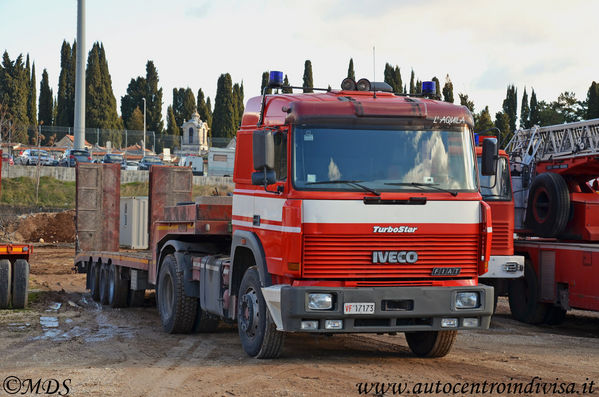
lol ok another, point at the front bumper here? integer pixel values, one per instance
(505, 266)
(429, 305)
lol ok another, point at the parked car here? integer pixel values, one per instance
(7, 159)
(111, 158)
(148, 161)
(72, 156)
(33, 156)
(132, 166)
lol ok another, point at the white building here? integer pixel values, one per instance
(194, 136)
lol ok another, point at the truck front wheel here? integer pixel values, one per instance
(257, 331)
(523, 295)
(431, 343)
(177, 311)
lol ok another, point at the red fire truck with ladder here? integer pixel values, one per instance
(354, 211)
(14, 273)
(555, 172)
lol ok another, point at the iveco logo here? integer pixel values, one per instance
(394, 257)
(394, 229)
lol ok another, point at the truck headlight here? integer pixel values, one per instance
(466, 300)
(320, 301)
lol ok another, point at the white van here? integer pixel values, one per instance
(221, 161)
(195, 162)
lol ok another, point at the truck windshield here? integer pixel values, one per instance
(496, 188)
(383, 159)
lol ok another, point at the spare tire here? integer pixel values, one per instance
(548, 205)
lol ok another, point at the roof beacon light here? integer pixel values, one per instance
(363, 85)
(275, 79)
(348, 84)
(429, 88)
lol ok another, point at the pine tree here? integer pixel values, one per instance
(448, 90)
(592, 102)
(203, 110)
(223, 125)
(46, 101)
(465, 101)
(172, 129)
(136, 121)
(524, 111)
(510, 105)
(483, 120)
(350, 70)
(502, 122)
(412, 86)
(264, 84)
(14, 91)
(286, 84)
(308, 80)
(534, 110)
(189, 104)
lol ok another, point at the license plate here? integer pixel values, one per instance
(358, 308)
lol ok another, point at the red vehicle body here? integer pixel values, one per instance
(352, 212)
(14, 272)
(555, 171)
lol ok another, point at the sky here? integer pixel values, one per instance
(482, 45)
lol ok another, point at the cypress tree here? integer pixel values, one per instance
(153, 97)
(136, 91)
(418, 87)
(136, 121)
(350, 70)
(46, 101)
(172, 129)
(32, 98)
(223, 125)
(393, 78)
(465, 101)
(483, 120)
(437, 87)
(65, 105)
(592, 102)
(502, 121)
(448, 90)
(535, 118)
(13, 95)
(412, 84)
(238, 103)
(510, 105)
(189, 104)
(525, 111)
(286, 84)
(178, 95)
(203, 110)
(265, 84)
(308, 80)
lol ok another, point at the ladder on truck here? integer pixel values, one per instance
(555, 142)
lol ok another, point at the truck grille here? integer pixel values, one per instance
(346, 256)
(502, 239)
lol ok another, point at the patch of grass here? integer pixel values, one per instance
(52, 192)
(136, 189)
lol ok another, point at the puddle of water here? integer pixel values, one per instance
(49, 322)
(105, 331)
(18, 326)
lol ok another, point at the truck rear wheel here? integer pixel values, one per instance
(548, 205)
(177, 311)
(20, 284)
(104, 284)
(118, 288)
(257, 331)
(94, 280)
(431, 343)
(523, 293)
(5, 283)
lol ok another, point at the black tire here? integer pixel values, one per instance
(136, 298)
(118, 288)
(104, 284)
(548, 205)
(555, 315)
(204, 323)
(20, 284)
(257, 331)
(431, 344)
(94, 280)
(5, 283)
(523, 296)
(177, 311)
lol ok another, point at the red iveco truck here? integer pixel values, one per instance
(354, 211)
(555, 171)
(14, 273)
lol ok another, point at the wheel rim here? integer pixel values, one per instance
(168, 295)
(250, 313)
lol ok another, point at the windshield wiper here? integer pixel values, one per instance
(347, 182)
(421, 185)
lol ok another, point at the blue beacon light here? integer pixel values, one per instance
(429, 88)
(275, 79)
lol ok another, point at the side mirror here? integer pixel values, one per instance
(489, 157)
(261, 178)
(263, 150)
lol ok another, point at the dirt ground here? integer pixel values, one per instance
(98, 351)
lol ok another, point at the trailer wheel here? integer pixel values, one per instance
(204, 323)
(5, 283)
(177, 311)
(104, 284)
(118, 288)
(431, 343)
(257, 331)
(555, 315)
(548, 205)
(136, 298)
(523, 293)
(20, 284)
(94, 280)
